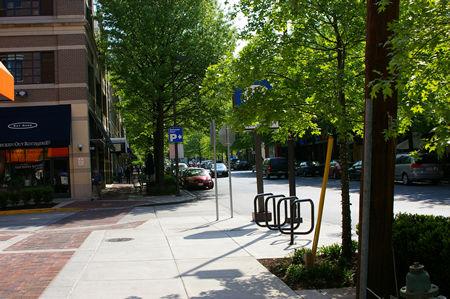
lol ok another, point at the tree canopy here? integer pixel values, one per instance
(157, 51)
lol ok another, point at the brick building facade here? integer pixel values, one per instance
(49, 47)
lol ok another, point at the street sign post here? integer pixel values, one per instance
(175, 135)
(213, 141)
(227, 138)
(223, 133)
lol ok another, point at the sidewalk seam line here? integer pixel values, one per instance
(173, 256)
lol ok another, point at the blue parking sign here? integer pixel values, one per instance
(175, 135)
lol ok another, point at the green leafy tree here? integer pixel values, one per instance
(313, 54)
(143, 43)
(421, 65)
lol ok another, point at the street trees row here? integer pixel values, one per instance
(142, 43)
(312, 53)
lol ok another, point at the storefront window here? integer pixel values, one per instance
(35, 167)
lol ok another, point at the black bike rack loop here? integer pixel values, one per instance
(292, 218)
(275, 224)
(255, 207)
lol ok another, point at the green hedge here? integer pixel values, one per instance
(424, 239)
(14, 198)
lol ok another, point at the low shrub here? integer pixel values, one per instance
(332, 252)
(169, 186)
(294, 272)
(47, 194)
(4, 197)
(424, 239)
(37, 195)
(26, 195)
(297, 258)
(14, 198)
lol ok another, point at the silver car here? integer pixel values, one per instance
(421, 168)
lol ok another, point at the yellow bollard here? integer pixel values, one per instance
(322, 197)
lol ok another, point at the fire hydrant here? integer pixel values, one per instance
(418, 284)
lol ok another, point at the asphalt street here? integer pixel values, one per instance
(420, 198)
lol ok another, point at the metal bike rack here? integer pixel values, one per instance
(292, 214)
(295, 219)
(276, 218)
(255, 207)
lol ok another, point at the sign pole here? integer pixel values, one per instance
(227, 131)
(213, 140)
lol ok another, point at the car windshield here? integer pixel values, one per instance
(221, 166)
(196, 172)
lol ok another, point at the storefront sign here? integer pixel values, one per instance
(22, 125)
(36, 126)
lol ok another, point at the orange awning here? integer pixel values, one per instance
(6, 83)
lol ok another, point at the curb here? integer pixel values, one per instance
(32, 211)
(60, 209)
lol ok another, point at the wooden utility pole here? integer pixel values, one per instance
(376, 275)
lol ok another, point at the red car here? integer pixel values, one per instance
(196, 178)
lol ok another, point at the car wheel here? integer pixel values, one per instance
(405, 179)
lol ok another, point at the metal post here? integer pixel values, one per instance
(175, 124)
(213, 136)
(261, 216)
(322, 197)
(291, 166)
(227, 135)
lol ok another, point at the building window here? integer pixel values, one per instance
(23, 8)
(16, 8)
(30, 67)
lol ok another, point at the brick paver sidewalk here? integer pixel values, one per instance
(33, 261)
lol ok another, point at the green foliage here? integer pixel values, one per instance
(142, 43)
(169, 187)
(323, 275)
(332, 252)
(14, 198)
(297, 258)
(4, 195)
(312, 53)
(47, 194)
(26, 195)
(424, 239)
(37, 195)
(420, 64)
(294, 272)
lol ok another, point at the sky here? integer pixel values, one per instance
(239, 22)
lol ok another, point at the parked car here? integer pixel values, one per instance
(196, 178)
(423, 167)
(221, 170)
(242, 165)
(355, 171)
(234, 163)
(307, 168)
(181, 168)
(275, 167)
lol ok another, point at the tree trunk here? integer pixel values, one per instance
(159, 144)
(345, 201)
(343, 154)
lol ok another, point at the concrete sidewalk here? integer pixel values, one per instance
(161, 251)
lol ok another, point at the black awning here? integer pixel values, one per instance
(36, 126)
(107, 139)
